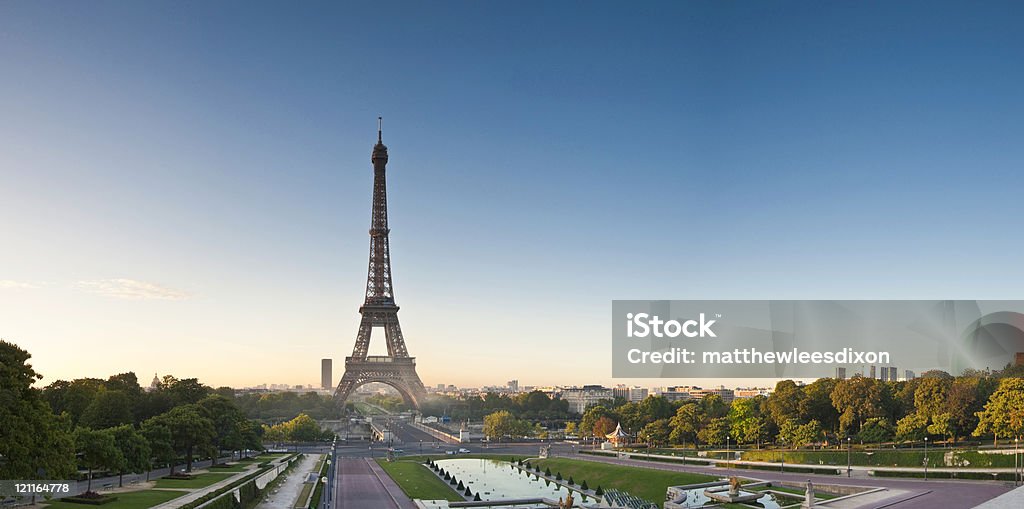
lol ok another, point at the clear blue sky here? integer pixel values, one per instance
(192, 175)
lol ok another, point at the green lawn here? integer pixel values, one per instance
(235, 467)
(417, 481)
(642, 482)
(128, 500)
(199, 481)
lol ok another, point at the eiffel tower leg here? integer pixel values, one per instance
(398, 373)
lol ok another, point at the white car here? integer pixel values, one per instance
(463, 450)
(449, 452)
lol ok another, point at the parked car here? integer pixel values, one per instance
(463, 450)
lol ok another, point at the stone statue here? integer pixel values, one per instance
(808, 495)
(734, 486)
(568, 502)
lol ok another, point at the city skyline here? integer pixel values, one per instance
(187, 194)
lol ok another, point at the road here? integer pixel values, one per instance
(914, 493)
(360, 483)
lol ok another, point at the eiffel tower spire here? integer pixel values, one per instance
(379, 309)
(378, 279)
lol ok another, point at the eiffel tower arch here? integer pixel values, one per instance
(379, 310)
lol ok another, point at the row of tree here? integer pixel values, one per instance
(111, 425)
(534, 406)
(936, 405)
(302, 428)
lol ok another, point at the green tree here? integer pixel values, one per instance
(808, 433)
(33, 442)
(227, 421)
(687, 423)
(190, 430)
(714, 406)
(134, 448)
(912, 428)
(788, 432)
(876, 430)
(816, 404)
(930, 396)
(590, 418)
(1003, 416)
(784, 402)
(656, 432)
(108, 408)
(715, 432)
(857, 399)
(158, 436)
(943, 425)
(570, 428)
(303, 429)
(185, 391)
(751, 430)
(98, 451)
(499, 425)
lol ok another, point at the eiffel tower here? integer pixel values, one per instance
(396, 368)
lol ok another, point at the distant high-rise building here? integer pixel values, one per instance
(440, 387)
(872, 371)
(326, 374)
(840, 373)
(630, 394)
(513, 386)
(909, 375)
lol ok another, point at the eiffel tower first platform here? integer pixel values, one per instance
(396, 368)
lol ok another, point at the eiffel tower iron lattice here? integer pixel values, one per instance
(396, 368)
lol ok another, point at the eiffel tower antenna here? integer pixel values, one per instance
(397, 368)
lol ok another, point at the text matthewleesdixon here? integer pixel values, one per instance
(644, 325)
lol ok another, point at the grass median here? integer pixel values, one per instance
(127, 500)
(417, 481)
(199, 481)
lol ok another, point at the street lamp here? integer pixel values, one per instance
(1016, 464)
(849, 465)
(728, 457)
(926, 458)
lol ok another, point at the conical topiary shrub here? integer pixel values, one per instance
(461, 486)
(452, 482)
(571, 481)
(536, 469)
(584, 486)
(547, 472)
(558, 476)
(447, 476)
(476, 498)
(468, 492)
(599, 492)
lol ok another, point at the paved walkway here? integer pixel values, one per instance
(283, 496)
(196, 493)
(362, 484)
